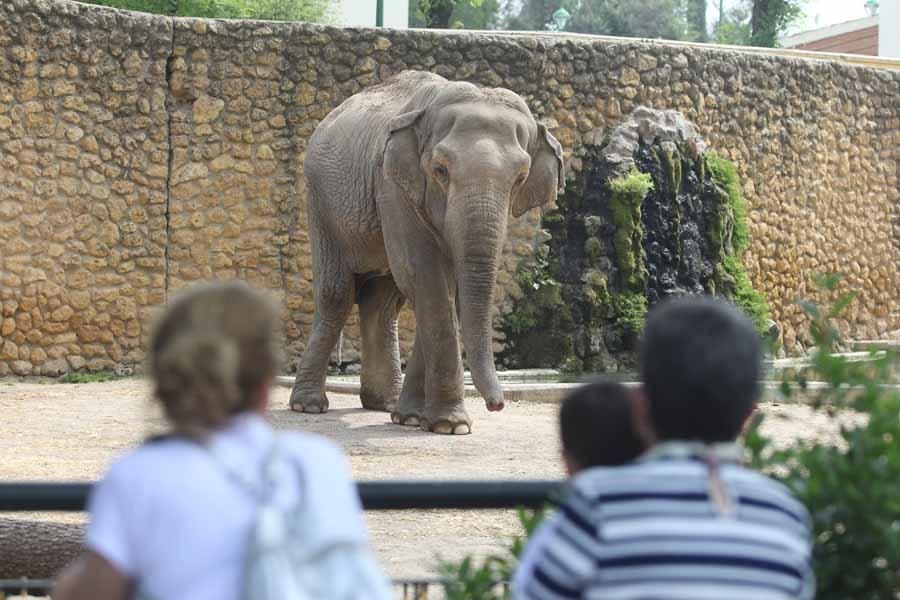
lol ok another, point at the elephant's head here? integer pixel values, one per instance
(465, 158)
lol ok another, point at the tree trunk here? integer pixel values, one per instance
(37, 549)
(696, 12)
(761, 30)
(439, 13)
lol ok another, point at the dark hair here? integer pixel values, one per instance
(596, 428)
(700, 360)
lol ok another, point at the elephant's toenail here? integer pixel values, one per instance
(443, 428)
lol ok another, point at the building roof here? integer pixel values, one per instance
(821, 33)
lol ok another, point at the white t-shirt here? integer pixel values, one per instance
(168, 515)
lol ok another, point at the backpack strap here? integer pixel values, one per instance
(272, 471)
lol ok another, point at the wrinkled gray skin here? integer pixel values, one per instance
(410, 186)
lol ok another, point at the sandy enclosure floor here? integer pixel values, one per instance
(71, 433)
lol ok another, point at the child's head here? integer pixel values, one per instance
(595, 424)
(212, 355)
(700, 361)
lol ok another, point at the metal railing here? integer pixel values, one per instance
(374, 495)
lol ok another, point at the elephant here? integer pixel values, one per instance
(410, 184)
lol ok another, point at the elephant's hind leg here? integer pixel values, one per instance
(334, 299)
(380, 380)
(411, 408)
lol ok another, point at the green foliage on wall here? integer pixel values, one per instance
(628, 192)
(733, 278)
(630, 309)
(745, 296)
(726, 177)
(538, 325)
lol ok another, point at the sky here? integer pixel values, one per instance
(828, 12)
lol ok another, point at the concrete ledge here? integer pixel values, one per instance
(888, 345)
(553, 392)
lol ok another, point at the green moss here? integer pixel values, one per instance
(552, 217)
(536, 330)
(729, 237)
(744, 295)
(670, 162)
(593, 251)
(627, 195)
(518, 322)
(595, 291)
(725, 176)
(720, 228)
(630, 310)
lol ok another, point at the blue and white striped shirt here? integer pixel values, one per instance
(669, 526)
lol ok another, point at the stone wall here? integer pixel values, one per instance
(139, 153)
(83, 196)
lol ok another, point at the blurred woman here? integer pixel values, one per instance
(173, 517)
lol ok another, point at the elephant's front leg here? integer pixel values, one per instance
(437, 338)
(334, 292)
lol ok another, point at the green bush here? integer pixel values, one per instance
(472, 579)
(852, 490)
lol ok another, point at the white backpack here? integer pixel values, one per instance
(281, 561)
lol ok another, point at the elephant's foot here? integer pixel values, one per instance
(452, 420)
(408, 419)
(306, 402)
(375, 401)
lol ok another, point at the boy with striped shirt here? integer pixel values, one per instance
(685, 521)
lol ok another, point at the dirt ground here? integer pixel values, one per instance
(71, 433)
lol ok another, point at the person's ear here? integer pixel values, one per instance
(572, 466)
(640, 416)
(261, 397)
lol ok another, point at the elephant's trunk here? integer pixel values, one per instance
(476, 272)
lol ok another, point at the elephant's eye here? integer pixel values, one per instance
(521, 179)
(441, 171)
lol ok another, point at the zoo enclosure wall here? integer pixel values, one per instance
(139, 153)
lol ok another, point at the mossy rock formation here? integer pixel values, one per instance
(652, 214)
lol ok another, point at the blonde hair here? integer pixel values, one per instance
(211, 349)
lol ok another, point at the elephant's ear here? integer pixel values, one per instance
(402, 157)
(547, 177)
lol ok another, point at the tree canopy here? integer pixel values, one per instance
(770, 18)
(666, 19)
(455, 14)
(756, 22)
(272, 10)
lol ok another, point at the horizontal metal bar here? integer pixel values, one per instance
(375, 495)
(401, 495)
